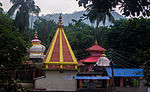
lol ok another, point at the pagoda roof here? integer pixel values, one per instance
(60, 54)
(96, 47)
(90, 60)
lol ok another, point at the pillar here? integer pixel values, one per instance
(121, 82)
(107, 83)
(80, 83)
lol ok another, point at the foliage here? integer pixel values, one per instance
(46, 30)
(95, 16)
(133, 38)
(1, 9)
(8, 84)
(128, 7)
(80, 38)
(24, 8)
(147, 73)
(12, 46)
(79, 34)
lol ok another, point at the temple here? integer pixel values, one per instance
(92, 74)
(60, 64)
(95, 53)
(37, 50)
(60, 54)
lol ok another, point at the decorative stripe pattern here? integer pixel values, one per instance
(60, 54)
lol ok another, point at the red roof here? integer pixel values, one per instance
(90, 60)
(96, 48)
(60, 54)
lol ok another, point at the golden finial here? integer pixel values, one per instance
(60, 18)
(103, 55)
(35, 35)
(96, 43)
(60, 25)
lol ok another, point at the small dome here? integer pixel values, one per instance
(36, 41)
(37, 48)
(36, 56)
(103, 61)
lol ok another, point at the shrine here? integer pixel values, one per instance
(95, 53)
(92, 73)
(37, 50)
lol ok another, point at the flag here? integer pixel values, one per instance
(46, 27)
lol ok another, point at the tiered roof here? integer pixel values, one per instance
(96, 47)
(60, 54)
(95, 52)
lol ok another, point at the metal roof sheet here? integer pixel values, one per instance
(119, 72)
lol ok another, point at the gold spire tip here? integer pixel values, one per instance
(36, 35)
(96, 43)
(103, 55)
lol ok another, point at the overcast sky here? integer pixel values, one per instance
(51, 6)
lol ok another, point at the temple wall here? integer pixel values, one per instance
(56, 81)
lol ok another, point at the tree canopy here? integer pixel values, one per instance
(1, 9)
(127, 7)
(23, 8)
(12, 46)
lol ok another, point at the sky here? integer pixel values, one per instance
(51, 6)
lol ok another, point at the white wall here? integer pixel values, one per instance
(56, 81)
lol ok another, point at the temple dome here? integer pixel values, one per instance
(37, 50)
(103, 61)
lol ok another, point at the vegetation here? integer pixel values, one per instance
(12, 46)
(9, 84)
(24, 8)
(1, 9)
(46, 30)
(127, 7)
(131, 38)
(12, 52)
(95, 16)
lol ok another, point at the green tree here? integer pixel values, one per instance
(132, 37)
(23, 8)
(129, 7)
(12, 46)
(95, 16)
(1, 9)
(7, 83)
(46, 30)
(80, 38)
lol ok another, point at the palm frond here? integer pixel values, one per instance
(110, 16)
(1, 4)
(12, 9)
